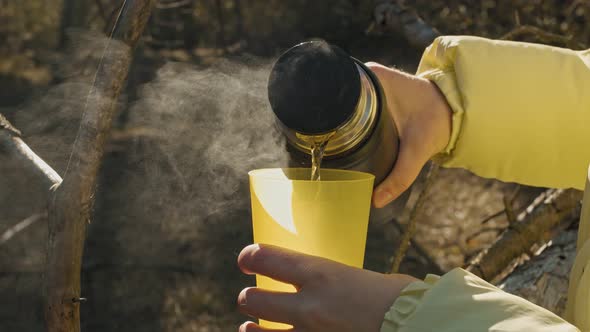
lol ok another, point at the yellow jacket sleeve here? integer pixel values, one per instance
(461, 302)
(521, 113)
(578, 296)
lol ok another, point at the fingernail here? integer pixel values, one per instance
(243, 327)
(382, 197)
(242, 297)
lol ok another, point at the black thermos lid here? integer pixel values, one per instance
(314, 87)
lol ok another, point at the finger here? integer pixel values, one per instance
(406, 169)
(376, 67)
(268, 305)
(387, 74)
(382, 72)
(253, 327)
(278, 263)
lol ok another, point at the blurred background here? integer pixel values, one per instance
(172, 205)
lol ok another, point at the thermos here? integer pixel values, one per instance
(317, 90)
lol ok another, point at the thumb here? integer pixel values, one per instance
(405, 171)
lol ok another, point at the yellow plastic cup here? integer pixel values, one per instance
(327, 218)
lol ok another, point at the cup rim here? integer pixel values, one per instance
(361, 176)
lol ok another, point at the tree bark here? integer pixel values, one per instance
(550, 212)
(70, 207)
(544, 279)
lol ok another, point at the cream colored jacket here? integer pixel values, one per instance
(521, 113)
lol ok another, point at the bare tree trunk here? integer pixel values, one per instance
(70, 207)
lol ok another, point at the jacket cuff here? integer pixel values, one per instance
(446, 83)
(406, 303)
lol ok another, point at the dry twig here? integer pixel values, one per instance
(484, 230)
(11, 142)
(12, 231)
(509, 205)
(411, 226)
(508, 208)
(493, 216)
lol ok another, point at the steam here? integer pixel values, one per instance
(208, 126)
(216, 126)
(176, 196)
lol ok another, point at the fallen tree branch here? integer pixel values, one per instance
(543, 280)
(70, 208)
(12, 143)
(12, 231)
(537, 224)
